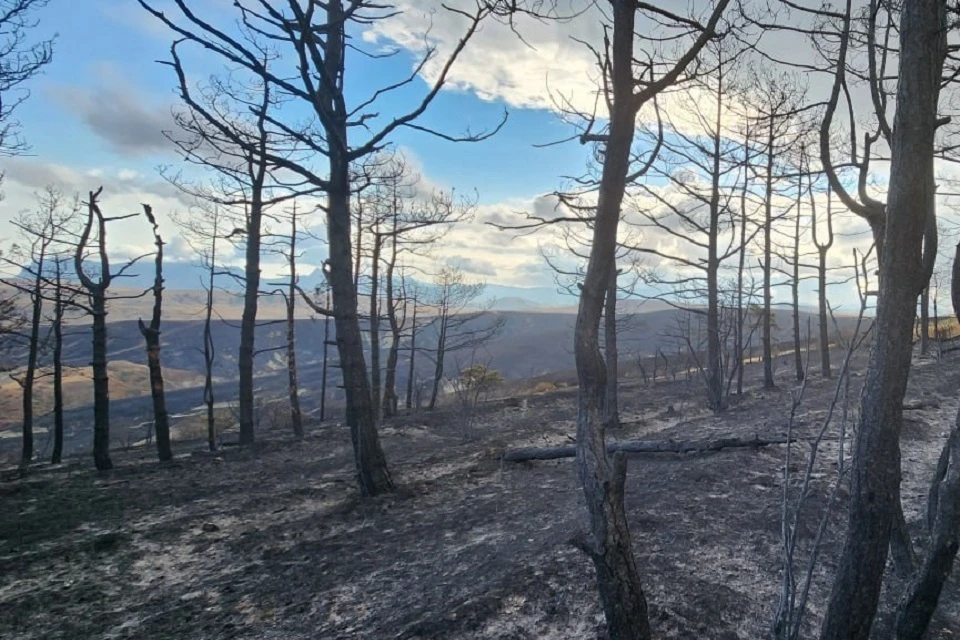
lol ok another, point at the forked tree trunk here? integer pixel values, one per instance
(151, 335)
(97, 294)
(875, 477)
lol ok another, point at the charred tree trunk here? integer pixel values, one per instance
(375, 388)
(151, 334)
(58, 313)
(293, 385)
(611, 407)
(795, 283)
(741, 265)
(825, 370)
(323, 379)
(607, 540)
(209, 351)
(101, 384)
(768, 380)
(822, 249)
(33, 351)
(369, 459)
(875, 481)
(440, 355)
(248, 320)
(943, 520)
(97, 294)
(390, 400)
(412, 372)
(925, 321)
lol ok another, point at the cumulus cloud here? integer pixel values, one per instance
(115, 111)
(24, 178)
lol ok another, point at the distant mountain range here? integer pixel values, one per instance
(186, 277)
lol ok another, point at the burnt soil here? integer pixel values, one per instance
(274, 542)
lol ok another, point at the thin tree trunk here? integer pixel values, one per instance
(411, 373)
(768, 380)
(795, 286)
(58, 307)
(390, 400)
(33, 349)
(875, 481)
(101, 384)
(825, 370)
(438, 365)
(715, 400)
(209, 350)
(375, 325)
(323, 379)
(151, 335)
(822, 249)
(293, 386)
(925, 321)
(741, 264)
(248, 320)
(611, 407)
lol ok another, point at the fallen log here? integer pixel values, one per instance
(645, 446)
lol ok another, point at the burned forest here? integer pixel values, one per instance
(480, 319)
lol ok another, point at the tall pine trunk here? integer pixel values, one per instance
(875, 473)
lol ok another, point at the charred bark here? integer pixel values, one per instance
(151, 334)
(875, 482)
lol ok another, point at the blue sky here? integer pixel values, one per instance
(115, 47)
(97, 113)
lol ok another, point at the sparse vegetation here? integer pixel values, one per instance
(754, 200)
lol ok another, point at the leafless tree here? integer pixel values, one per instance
(151, 334)
(457, 327)
(20, 61)
(95, 281)
(201, 228)
(316, 34)
(40, 231)
(631, 80)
